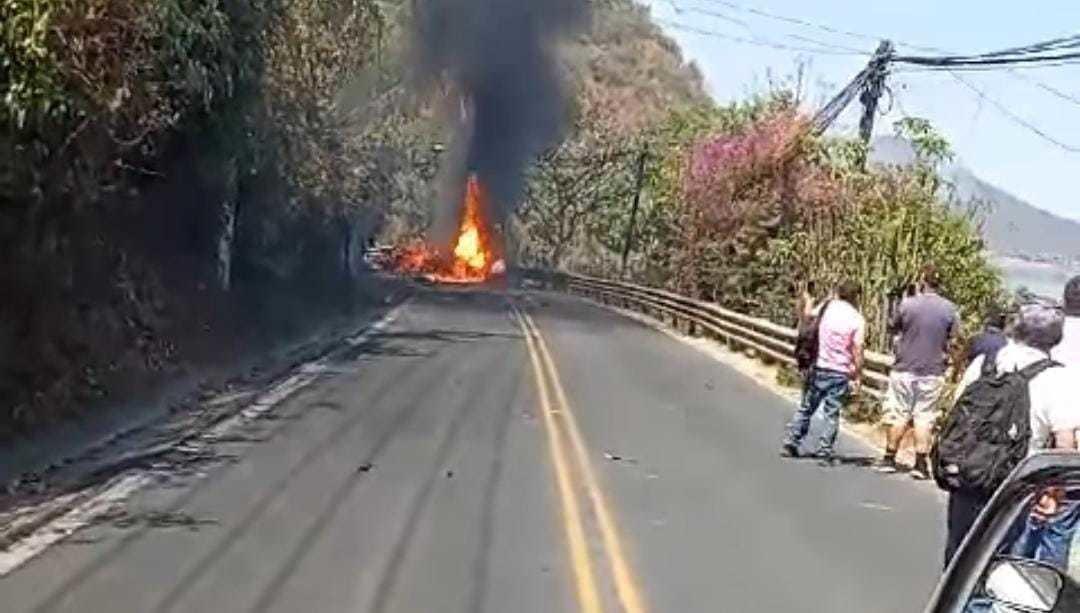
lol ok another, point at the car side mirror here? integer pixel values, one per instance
(1024, 585)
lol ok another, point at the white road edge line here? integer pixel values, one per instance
(115, 492)
(123, 486)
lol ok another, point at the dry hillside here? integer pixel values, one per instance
(629, 71)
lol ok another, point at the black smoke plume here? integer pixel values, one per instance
(509, 98)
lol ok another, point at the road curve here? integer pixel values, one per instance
(507, 452)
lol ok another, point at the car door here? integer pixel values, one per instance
(1019, 556)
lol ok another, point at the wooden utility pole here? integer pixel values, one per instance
(877, 72)
(868, 85)
(634, 210)
(379, 49)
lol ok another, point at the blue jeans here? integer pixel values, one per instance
(1045, 541)
(1050, 541)
(826, 389)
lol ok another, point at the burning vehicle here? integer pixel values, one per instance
(475, 255)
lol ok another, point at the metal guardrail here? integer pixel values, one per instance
(771, 341)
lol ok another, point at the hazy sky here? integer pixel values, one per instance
(994, 146)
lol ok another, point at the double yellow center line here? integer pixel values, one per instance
(560, 423)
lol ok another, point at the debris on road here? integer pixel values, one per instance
(614, 457)
(365, 467)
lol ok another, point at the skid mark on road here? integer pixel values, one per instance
(421, 502)
(318, 450)
(115, 492)
(482, 562)
(69, 586)
(122, 487)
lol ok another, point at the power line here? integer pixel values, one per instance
(693, 9)
(1037, 55)
(1049, 89)
(1061, 42)
(1036, 52)
(807, 39)
(678, 8)
(925, 69)
(1012, 72)
(982, 61)
(759, 42)
(1057, 43)
(1013, 116)
(794, 20)
(1067, 42)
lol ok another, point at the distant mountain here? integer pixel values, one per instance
(1015, 226)
(1010, 225)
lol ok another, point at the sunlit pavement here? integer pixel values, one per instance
(508, 452)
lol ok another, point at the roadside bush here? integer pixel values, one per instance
(161, 163)
(741, 204)
(748, 206)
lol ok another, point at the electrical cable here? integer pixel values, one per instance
(1013, 116)
(679, 8)
(759, 42)
(1044, 54)
(982, 61)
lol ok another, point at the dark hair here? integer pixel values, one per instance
(930, 276)
(849, 291)
(1040, 326)
(996, 317)
(1072, 297)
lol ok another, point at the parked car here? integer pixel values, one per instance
(988, 576)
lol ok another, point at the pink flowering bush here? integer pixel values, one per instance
(756, 175)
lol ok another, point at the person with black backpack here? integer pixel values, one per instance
(1010, 405)
(831, 350)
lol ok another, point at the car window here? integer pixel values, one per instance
(1036, 567)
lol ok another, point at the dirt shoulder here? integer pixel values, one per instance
(231, 360)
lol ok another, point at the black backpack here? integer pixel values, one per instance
(808, 340)
(988, 431)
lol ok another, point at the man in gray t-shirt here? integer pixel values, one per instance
(925, 323)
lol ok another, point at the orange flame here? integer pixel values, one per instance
(474, 258)
(472, 251)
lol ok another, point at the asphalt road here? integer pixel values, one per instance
(508, 453)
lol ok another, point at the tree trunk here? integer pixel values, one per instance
(347, 247)
(228, 227)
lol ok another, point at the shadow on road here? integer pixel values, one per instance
(860, 461)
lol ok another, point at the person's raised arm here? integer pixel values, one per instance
(857, 344)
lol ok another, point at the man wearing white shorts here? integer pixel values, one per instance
(913, 399)
(925, 324)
